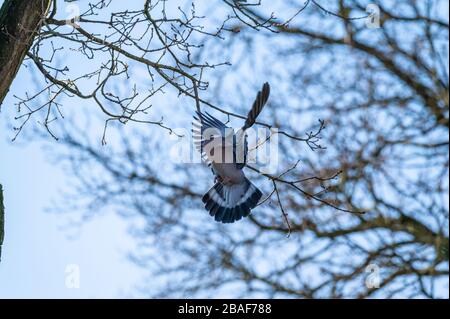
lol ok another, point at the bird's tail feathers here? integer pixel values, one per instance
(229, 203)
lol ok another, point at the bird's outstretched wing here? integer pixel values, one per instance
(203, 126)
(260, 101)
(204, 122)
(208, 121)
(241, 146)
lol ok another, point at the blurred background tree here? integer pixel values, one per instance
(381, 145)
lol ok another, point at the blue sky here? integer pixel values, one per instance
(39, 245)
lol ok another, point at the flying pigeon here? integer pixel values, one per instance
(233, 196)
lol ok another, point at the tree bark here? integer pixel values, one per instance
(19, 22)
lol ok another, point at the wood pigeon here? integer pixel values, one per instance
(233, 196)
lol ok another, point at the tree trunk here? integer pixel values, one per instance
(19, 22)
